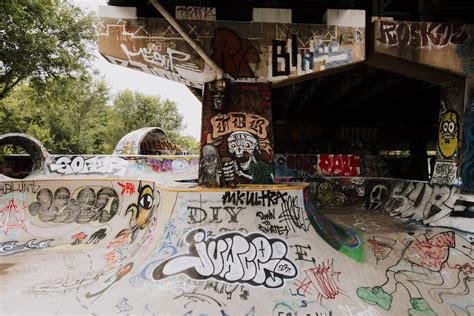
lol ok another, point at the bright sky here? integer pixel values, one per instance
(120, 78)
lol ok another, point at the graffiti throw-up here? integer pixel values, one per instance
(253, 259)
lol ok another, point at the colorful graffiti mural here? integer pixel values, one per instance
(274, 51)
(237, 146)
(430, 204)
(214, 250)
(305, 167)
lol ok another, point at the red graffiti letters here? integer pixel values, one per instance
(233, 53)
(339, 165)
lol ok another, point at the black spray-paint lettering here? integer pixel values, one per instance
(253, 259)
(301, 253)
(293, 215)
(198, 214)
(260, 198)
(6, 188)
(270, 214)
(269, 228)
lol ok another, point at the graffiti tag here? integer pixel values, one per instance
(232, 257)
(65, 165)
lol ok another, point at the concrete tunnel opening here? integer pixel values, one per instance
(20, 155)
(362, 122)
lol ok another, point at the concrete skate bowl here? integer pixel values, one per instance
(122, 246)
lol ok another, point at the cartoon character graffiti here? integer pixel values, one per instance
(210, 168)
(422, 262)
(448, 133)
(242, 139)
(243, 146)
(142, 212)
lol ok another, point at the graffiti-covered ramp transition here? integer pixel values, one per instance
(103, 248)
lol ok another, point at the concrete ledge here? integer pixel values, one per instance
(117, 12)
(268, 15)
(353, 18)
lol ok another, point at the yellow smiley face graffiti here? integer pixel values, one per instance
(448, 133)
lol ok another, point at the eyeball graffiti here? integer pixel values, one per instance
(448, 133)
(179, 165)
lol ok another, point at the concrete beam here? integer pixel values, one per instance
(118, 12)
(269, 15)
(353, 18)
(411, 69)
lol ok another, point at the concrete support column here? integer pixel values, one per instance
(236, 139)
(467, 159)
(449, 134)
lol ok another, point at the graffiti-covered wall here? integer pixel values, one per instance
(272, 51)
(447, 46)
(449, 134)
(265, 250)
(305, 167)
(411, 201)
(237, 141)
(100, 166)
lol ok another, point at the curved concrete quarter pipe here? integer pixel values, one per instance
(119, 235)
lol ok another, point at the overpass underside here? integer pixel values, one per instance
(334, 178)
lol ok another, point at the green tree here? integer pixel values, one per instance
(68, 116)
(40, 39)
(188, 144)
(134, 110)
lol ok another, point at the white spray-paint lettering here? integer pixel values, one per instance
(253, 259)
(66, 165)
(151, 55)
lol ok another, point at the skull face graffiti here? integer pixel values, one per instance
(244, 165)
(448, 134)
(242, 142)
(210, 166)
(378, 196)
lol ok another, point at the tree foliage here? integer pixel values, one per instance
(69, 116)
(42, 39)
(72, 116)
(48, 92)
(133, 110)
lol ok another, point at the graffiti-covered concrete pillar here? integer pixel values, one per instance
(449, 134)
(467, 160)
(236, 141)
(237, 138)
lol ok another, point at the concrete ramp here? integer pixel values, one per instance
(118, 246)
